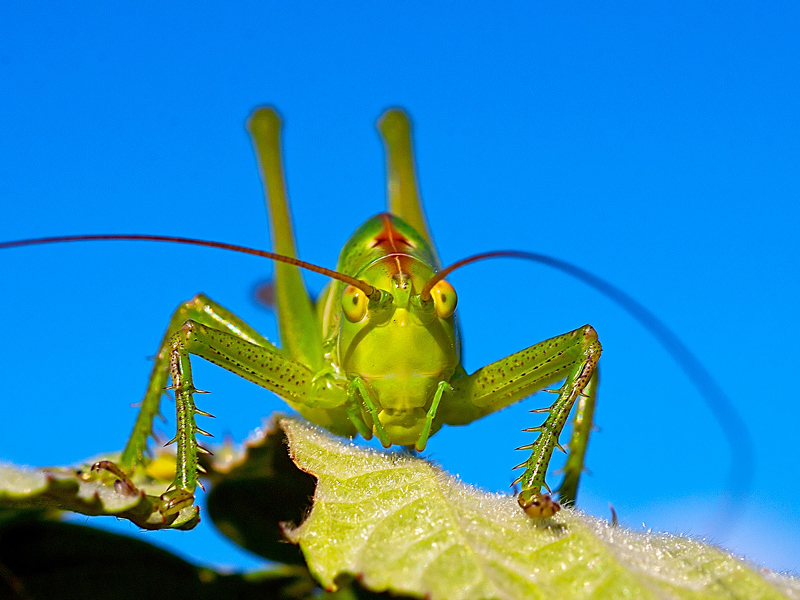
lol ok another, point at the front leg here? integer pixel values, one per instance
(264, 366)
(205, 328)
(201, 309)
(572, 357)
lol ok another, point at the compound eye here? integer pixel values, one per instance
(444, 299)
(354, 303)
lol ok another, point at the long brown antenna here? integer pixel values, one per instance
(362, 285)
(740, 477)
(425, 294)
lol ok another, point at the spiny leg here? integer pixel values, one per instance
(531, 499)
(581, 429)
(261, 365)
(186, 470)
(572, 356)
(203, 310)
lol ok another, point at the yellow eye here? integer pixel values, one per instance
(444, 299)
(354, 304)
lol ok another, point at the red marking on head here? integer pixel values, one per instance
(389, 238)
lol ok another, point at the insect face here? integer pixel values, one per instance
(401, 348)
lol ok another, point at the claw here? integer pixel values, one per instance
(123, 484)
(124, 487)
(539, 505)
(175, 500)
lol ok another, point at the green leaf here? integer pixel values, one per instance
(254, 490)
(402, 524)
(91, 493)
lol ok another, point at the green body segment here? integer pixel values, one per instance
(300, 333)
(391, 370)
(402, 353)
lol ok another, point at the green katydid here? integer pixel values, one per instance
(378, 353)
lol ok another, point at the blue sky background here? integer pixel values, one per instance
(656, 144)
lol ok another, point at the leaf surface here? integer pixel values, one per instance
(400, 523)
(256, 487)
(82, 491)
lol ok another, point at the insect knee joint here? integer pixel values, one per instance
(187, 329)
(199, 300)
